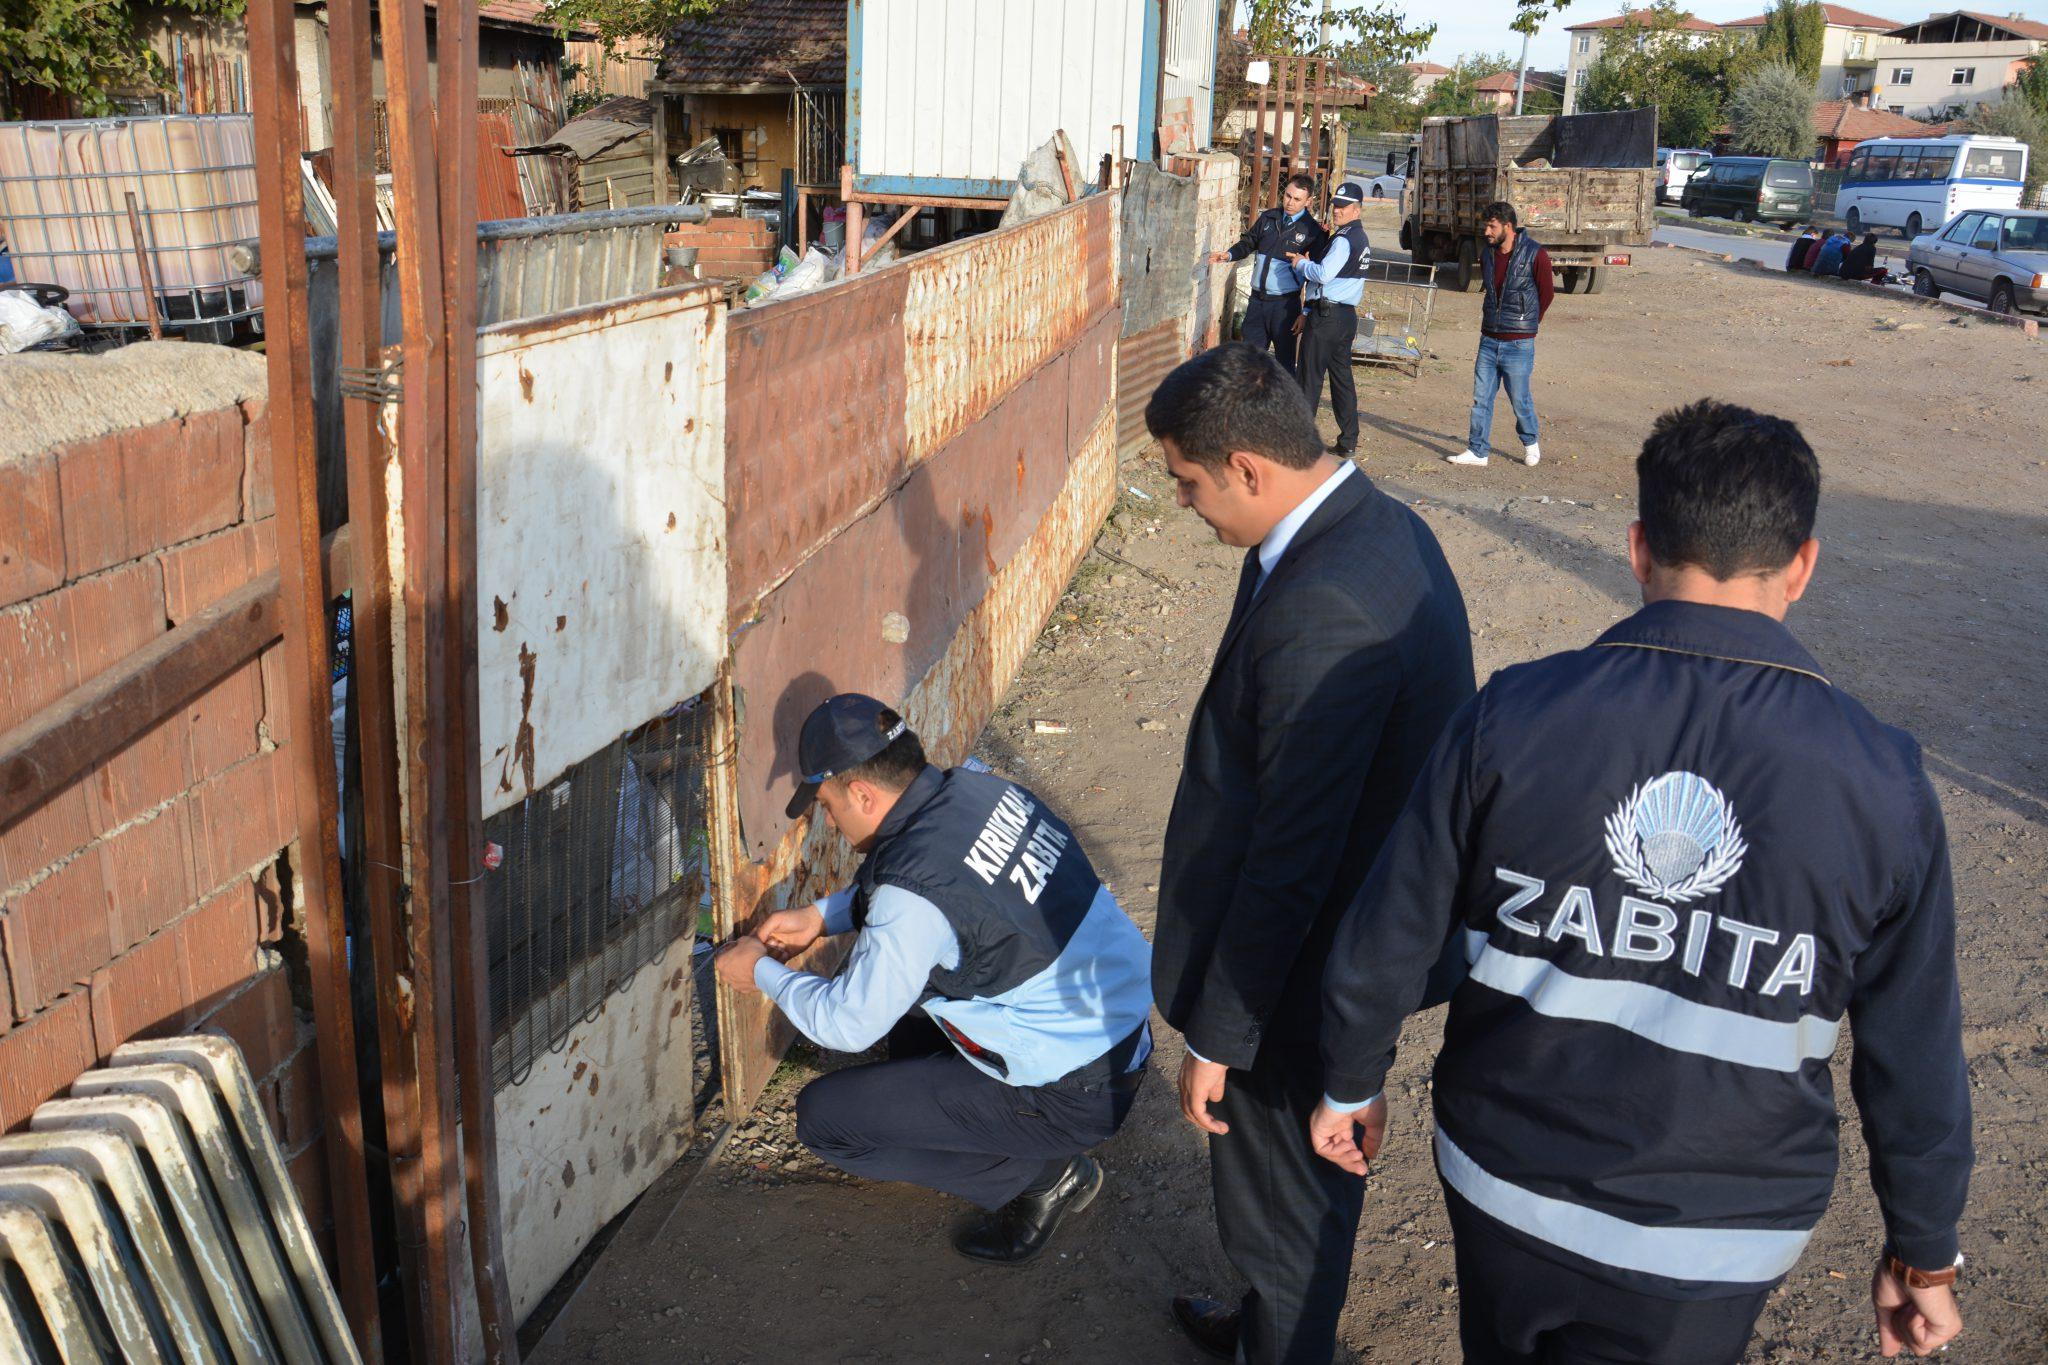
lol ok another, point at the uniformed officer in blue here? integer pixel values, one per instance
(1272, 317)
(1671, 866)
(1332, 289)
(1014, 990)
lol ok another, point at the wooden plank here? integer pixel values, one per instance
(303, 600)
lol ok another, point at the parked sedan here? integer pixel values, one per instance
(1998, 256)
(1386, 186)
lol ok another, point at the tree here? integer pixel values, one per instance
(1361, 35)
(2016, 116)
(1772, 114)
(1794, 33)
(1454, 93)
(1653, 60)
(88, 51)
(615, 21)
(2031, 84)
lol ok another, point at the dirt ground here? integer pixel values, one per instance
(1934, 526)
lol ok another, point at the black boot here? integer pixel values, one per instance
(1019, 1230)
(1210, 1323)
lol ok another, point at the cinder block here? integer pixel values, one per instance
(113, 615)
(147, 870)
(184, 479)
(98, 530)
(277, 715)
(235, 819)
(51, 832)
(141, 777)
(220, 728)
(259, 495)
(143, 993)
(31, 529)
(260, 1019)
(201, 572)
(56, 933)
(218, 941)
(43, 1056)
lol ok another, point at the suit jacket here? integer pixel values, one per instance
(1328, 691)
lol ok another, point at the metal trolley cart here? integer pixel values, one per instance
(1393, 316)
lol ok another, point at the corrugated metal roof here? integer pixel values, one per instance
(748, 43)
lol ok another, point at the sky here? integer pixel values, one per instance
(1482, 25)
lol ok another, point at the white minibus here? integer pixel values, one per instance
(1916, 184)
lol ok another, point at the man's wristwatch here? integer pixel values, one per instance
(1920, 1279)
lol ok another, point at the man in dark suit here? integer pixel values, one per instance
(1346, 653)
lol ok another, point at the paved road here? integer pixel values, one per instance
(1892, 253)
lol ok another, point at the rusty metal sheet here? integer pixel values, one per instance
(1092, 374)
(601, 527)
(982, 314)
(1141, 362)
(880, 603)
(1101, 245)
(948, 708)
(814, 424)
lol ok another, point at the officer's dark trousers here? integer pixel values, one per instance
(1326, 353)
(1269, 321)
(1518, 1308)
(939, 1121)
(1286, 1216)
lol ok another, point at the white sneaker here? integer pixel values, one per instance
(1466, 457)
(1532, 454)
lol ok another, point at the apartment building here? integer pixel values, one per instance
(1848, 57)
(1946, 65)
(1588, 39)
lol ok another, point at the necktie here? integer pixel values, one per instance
(1247, 588)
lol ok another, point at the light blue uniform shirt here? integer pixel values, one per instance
(1321, 276)
(1038, 1026)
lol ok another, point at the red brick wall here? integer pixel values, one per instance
(728, 248)
(145, 898)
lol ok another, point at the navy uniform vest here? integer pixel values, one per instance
(1273, 237)
(1016, 889)
(1360, 259)
(1515, 306)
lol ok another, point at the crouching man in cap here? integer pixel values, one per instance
(1013, 989)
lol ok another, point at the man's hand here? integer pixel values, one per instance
(788, 932)
(1300, 323)
(1218, 257)
(735, 963)
(1201, 1085)
(1918, 1320)
(1295, 258)
(1331, 1135)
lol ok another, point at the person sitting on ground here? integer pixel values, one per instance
(1859, 262)
(1828, 260)
(1014, 991)
(1803, 247)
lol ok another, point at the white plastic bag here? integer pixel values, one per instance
(24, 322)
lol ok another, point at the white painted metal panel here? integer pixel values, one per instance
(964, 90)
(1188, 62)
(600, 528)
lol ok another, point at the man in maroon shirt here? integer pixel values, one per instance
(1515, 274)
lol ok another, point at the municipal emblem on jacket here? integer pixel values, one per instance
(1675, 838)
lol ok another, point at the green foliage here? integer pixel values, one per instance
(616, 21)
(2017, 116)
(1454, 94)
(1794, 33)
(2032, 82)
(1652, 60)
(1772, 114)
(91, 51)
(1362, 36)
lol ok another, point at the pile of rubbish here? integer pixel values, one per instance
(817, 267)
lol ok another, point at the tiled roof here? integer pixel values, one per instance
(1841, 121)
(1426, 69)
(1839, 16)
(1642, 16)
(760, 42)
(1499, 80)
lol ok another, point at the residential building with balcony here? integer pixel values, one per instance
(1946, 65)
(1587, 40)
(1849, 51)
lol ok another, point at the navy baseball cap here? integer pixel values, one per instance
(1348, 193)
(844, 732)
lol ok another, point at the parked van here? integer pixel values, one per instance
(1916, 184)
(1752, 188)
(1675, 166)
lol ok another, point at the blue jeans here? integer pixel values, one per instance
(1502, 364)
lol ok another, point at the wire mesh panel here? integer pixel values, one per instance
(1393, 315)
(603, 870)
(73, 193)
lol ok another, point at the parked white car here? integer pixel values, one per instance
(1385, 186)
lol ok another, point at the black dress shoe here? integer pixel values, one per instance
(1210, 1323)
(1019, 1230)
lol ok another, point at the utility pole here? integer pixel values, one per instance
(1323, 44)
(1522, 75)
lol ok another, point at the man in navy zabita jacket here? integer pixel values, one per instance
(1662, 871)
